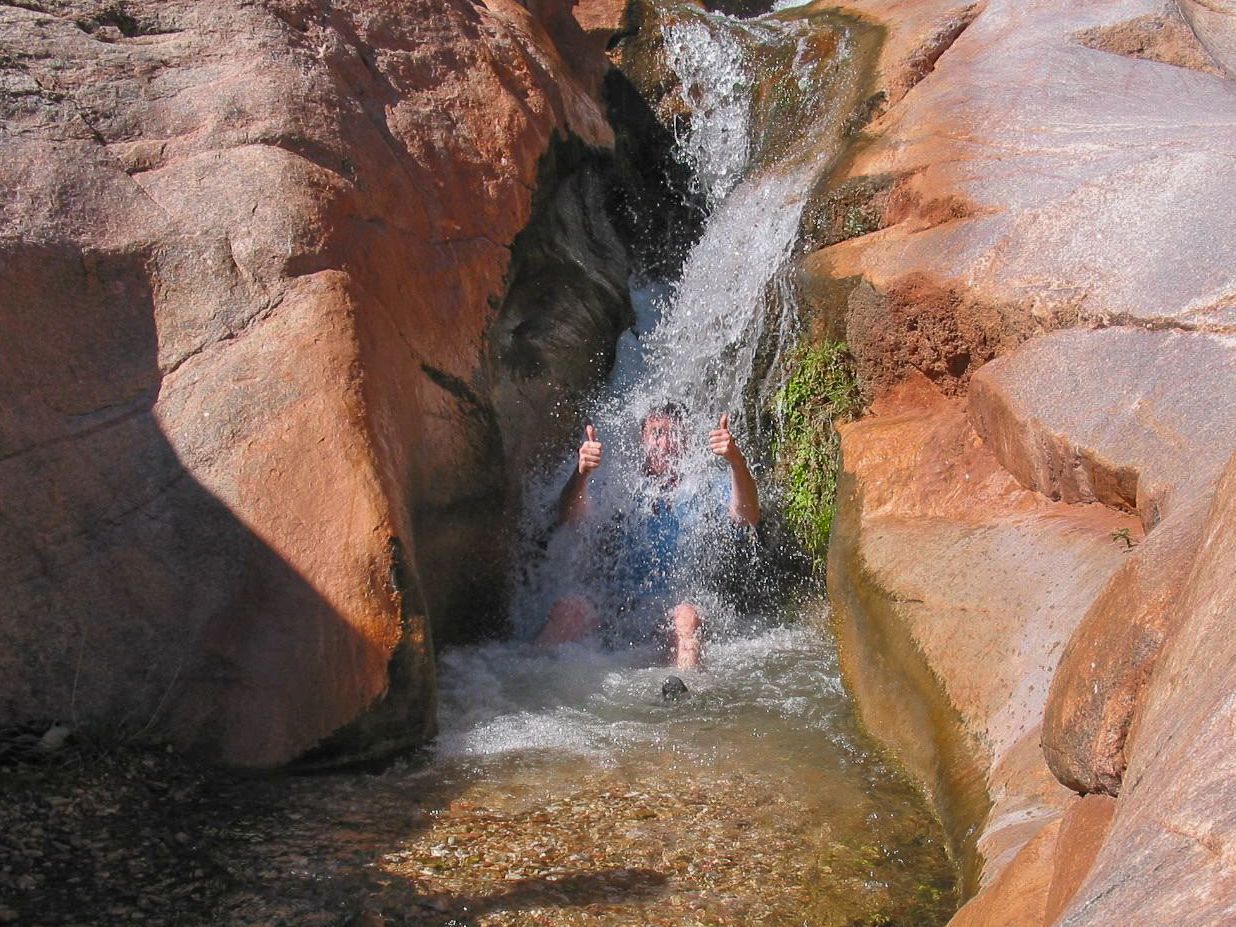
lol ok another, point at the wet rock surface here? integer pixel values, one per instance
(673, 689)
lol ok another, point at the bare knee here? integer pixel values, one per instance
(686, 619)
(571, 619)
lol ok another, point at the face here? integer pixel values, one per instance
(662, 440)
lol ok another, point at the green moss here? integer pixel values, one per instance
(860, 219)
(820, 393)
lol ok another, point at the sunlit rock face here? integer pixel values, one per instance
(1168, 856)
(1016, 193)
(970, 583)
(251, 256)
(1214, 23)
(1028, 254)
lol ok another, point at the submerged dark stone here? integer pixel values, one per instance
(673, 689)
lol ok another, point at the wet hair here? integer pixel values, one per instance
(676, 412)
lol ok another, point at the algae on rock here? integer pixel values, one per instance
(820, 392)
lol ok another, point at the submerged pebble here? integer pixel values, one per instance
(673, 689)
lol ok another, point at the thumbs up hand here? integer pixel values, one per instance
(721, 442)
(589, 452)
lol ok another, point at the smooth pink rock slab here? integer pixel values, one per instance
(1135, 419)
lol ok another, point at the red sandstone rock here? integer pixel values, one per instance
(1083, 830)
(1143, 440)
(1068, 214)
(602, 19)
(1214, 23)
(913, 570)
(917, 34)
(1018, 895)
(1118, 416)
(1107, 663)
(248, 255)
(1048, 868)
(1170, 857)
(937, 547)
(1162, 36)
(1056, 165)
(916, 324)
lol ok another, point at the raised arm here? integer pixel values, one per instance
(573, 502)
(744, 497)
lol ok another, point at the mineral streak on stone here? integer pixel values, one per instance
(1042, 560)
(250, 255)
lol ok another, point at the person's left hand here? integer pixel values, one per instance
(722, 443)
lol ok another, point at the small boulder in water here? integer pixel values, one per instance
(673, 689)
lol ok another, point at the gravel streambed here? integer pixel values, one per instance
(755, 802)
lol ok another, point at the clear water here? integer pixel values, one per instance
(596, 703)
(755, 800)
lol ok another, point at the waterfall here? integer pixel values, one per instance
(562, 786)
(698, 339)
(716, 87)
(757, 104)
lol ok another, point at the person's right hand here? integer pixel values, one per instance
(589, 452)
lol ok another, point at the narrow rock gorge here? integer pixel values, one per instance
(296, 295)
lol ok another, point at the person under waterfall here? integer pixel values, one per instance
(663, 442)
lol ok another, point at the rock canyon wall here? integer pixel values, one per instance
(289, 291)
(278, 283)
(1030, 568)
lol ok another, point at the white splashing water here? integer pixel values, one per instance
(716, 85)
(703, 352)
(501, 698)
(695, 342)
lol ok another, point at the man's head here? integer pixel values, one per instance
(663, 434)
